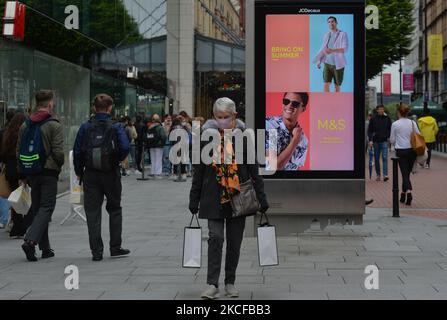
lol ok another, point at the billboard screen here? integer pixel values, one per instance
(310, 88)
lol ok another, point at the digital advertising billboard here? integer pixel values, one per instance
(309, 88)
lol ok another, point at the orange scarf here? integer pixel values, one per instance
(226, 174)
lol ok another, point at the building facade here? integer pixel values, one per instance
(217, 18)
(430, 17)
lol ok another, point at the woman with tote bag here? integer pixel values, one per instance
(402, 132)
(213, 188)
(8, 156)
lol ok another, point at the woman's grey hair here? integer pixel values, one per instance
(224, 105)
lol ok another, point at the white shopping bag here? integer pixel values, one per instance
(20, 200)
(267, 246)
(76, 190)
(192, 246)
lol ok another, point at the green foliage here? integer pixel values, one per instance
(391, 109)
(393, 38)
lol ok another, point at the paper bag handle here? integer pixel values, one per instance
(265, 224)
(197, 219)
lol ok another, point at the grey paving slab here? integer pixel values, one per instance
(12, 295)
(280, 295)
(132, 295)
(63, 295)
(188, 294)
(305, 279)
(349, 294)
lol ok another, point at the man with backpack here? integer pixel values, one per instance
(40, 150)
(99, 148)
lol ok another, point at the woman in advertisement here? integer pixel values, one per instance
(292, 144)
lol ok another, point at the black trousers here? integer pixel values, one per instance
(407, 157)
(234, 234)
(430, 147)
(139, 156)
(96, 186)
(43, 197)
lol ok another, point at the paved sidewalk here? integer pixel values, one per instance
(411, 253)
(429, 194)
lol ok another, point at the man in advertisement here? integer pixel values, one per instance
(292, 144)
(332, 54)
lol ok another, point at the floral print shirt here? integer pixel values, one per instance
(283, 140)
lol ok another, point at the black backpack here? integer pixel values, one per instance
(154, 138)
(100, 146)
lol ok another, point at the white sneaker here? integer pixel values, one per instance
(2, 226)
(184, 176)
(137, 172)
(231, 291)
(210, 293)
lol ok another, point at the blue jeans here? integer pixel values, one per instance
(4, 211)
(167, 165)
(381, 148)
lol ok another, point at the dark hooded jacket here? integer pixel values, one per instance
(205, 191)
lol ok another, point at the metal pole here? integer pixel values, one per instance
(400, 75)
(426, 52)
(395, 187)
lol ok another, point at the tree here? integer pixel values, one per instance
(386, 45)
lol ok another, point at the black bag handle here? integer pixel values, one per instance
(265, 224)
(197, 219)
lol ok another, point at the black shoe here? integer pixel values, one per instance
(97, 257)
(402, 197)
(385, 179)
(30, 251)
(49, 253)
(368, 202)
(119, 252)
(409, 199)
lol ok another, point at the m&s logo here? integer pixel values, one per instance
(332, 125)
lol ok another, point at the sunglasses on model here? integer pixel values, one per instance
(295, 104)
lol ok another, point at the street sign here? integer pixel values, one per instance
(14, 20)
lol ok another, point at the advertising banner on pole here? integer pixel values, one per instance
(387, 84)
(407, 79)
(435, 52)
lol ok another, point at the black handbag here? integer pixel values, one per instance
(246, 202)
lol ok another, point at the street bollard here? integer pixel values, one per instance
(143, 166)
(395, 187)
